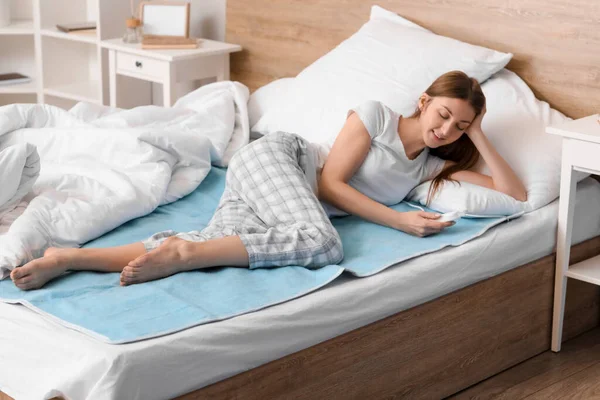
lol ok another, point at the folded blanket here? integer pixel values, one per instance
(20, 166)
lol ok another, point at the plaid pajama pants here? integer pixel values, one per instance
(269, 203)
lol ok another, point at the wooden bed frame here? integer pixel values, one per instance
(433, 350)
(448, 344)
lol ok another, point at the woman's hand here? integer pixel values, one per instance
(421, 223)
(475, 126)
(503, 178)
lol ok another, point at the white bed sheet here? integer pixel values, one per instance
(39, 359)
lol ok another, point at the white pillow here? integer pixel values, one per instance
(389, 59)
(515, 124)
(267, 97)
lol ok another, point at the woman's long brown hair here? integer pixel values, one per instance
(456, 85)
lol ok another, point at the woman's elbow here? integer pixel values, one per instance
(326, 189)
(519, 195)
(522, 192)
(323, 190)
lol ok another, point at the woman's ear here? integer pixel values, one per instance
(424, 100)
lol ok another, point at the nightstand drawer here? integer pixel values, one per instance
(142, 67)
(584, 156)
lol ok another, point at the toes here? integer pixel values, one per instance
(129, 272)
(18, 273)
(24, 280)
(129, 281)
(129, 275)
(27, 285)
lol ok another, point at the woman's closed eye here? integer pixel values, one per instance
(446, 116)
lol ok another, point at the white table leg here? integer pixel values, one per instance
(223, 72)
(169, 88)
(563, 246)
(112, 77)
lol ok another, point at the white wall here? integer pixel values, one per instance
(207, 20)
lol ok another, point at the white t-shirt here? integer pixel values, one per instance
(387, 175)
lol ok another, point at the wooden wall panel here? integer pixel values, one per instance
(556, 44)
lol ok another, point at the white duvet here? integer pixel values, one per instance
(101, 167)
(19, 169)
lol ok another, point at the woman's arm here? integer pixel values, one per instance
(503, 178)
(345, 158)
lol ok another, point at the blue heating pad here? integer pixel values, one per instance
(95, 304)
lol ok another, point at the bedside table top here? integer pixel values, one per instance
(586, 129)
(206, 47)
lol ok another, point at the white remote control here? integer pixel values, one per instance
(451, 216)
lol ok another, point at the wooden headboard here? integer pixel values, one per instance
(556, 44)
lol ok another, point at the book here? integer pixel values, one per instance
(13, 78)
(169, 46)
(174, 40)
(76, 26)
(168, 42)
(83, 32)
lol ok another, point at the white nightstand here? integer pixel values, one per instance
(580, 152)
(167, 66)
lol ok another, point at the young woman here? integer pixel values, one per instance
(270, 214)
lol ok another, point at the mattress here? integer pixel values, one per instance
(40, 359)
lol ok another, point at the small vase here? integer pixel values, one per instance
(133, 33)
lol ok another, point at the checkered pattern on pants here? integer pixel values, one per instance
(269, 203)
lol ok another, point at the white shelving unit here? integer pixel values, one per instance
(18, 53)
(65, 67)
(18, 27)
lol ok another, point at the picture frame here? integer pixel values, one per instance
(165, 18)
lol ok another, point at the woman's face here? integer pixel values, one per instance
(443, 120)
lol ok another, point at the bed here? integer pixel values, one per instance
(451, 299)
(354, 339)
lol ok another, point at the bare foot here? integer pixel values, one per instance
(36, 273)
(167, 259)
